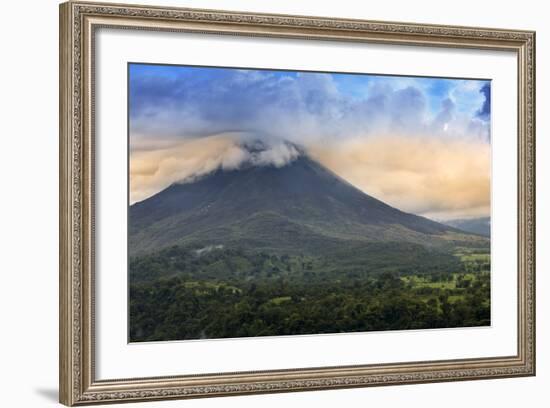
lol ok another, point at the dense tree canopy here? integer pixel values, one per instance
(188, 294)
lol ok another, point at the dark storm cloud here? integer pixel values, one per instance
(485, 111)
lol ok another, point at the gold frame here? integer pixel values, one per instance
(78, 22)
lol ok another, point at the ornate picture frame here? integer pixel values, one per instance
(79, 22)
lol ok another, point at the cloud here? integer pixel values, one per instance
(192, 102)
(406, 110)
(278, 155)
(485, 111)
(186, 122)
(154, 169)
(423, 175)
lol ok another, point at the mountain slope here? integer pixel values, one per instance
(300, 207)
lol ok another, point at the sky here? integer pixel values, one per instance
(419, 144)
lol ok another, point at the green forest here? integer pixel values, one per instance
(215, 292)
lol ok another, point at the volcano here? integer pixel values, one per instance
(298, 207)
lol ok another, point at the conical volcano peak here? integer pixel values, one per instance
(277, 199)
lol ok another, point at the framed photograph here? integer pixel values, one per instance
(256, 203)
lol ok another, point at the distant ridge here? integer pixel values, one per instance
(480, 226)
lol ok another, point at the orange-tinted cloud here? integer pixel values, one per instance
(155, 168)
(434, 177)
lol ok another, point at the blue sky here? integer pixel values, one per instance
(182, 101)
(186, 121)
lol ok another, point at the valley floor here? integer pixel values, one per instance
(212, 292)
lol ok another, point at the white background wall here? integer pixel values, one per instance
(28, 204)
